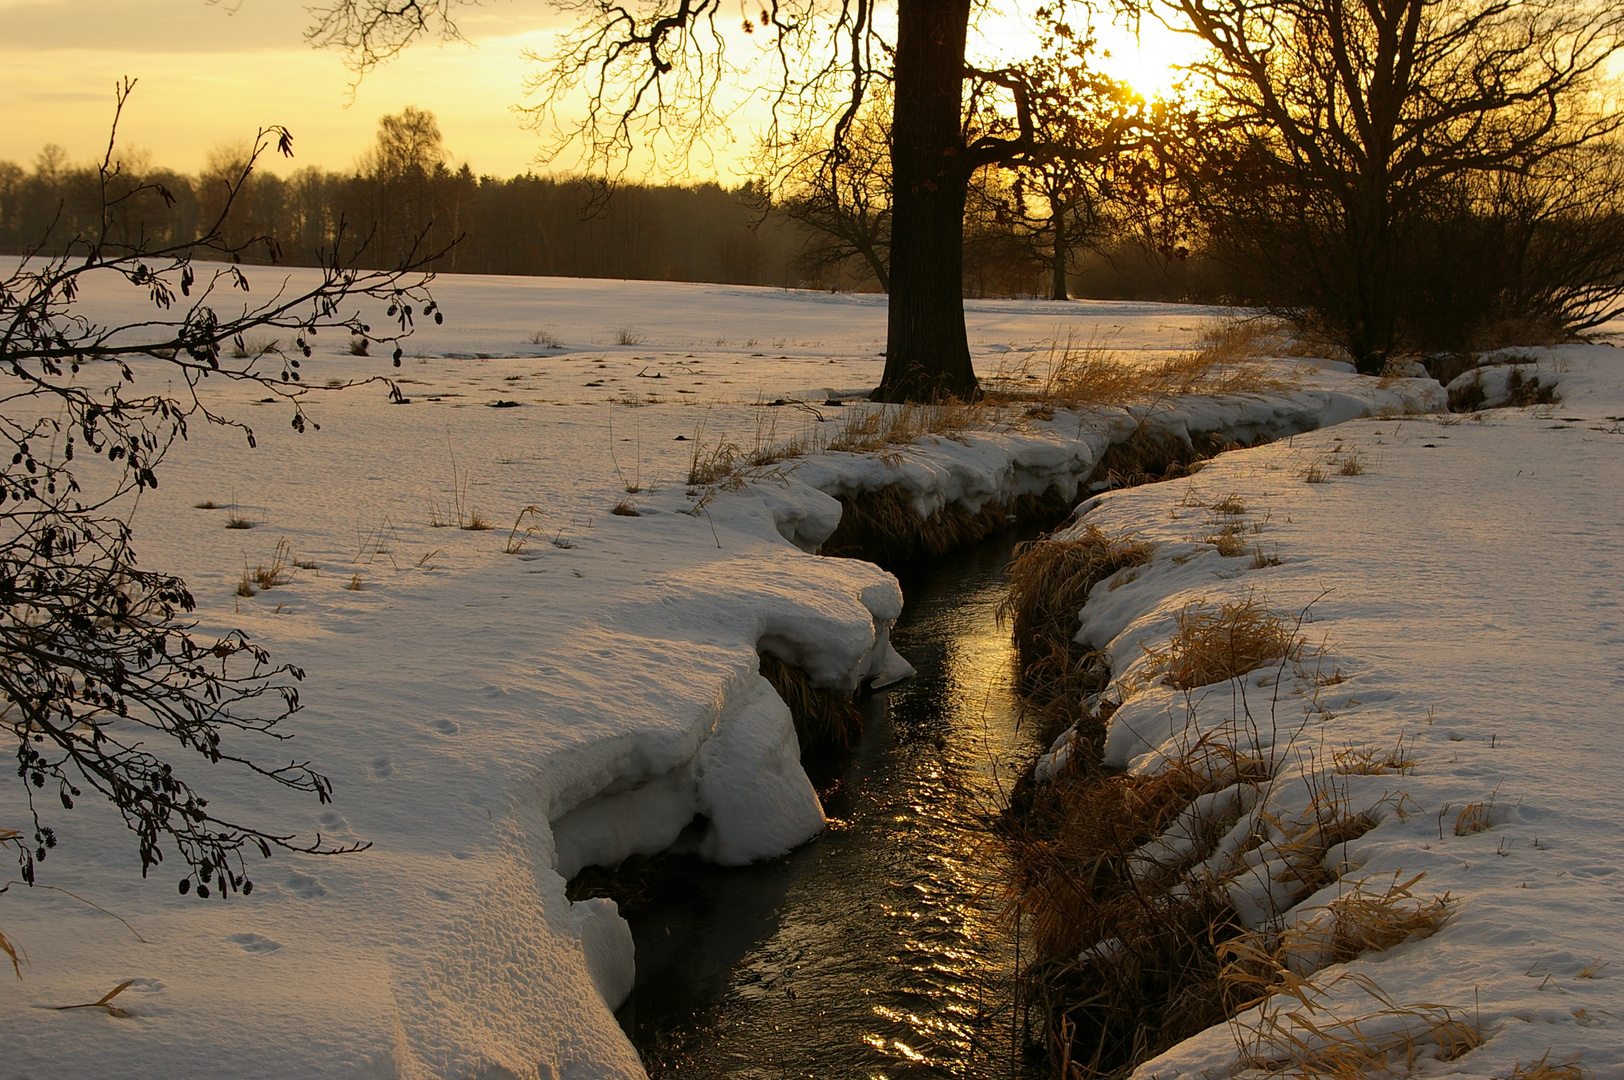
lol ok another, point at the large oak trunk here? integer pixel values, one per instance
(927, 355)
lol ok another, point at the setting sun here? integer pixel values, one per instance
(1149, 58)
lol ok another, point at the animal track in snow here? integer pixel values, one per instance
(255, 943)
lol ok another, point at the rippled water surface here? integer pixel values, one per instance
(878, 949)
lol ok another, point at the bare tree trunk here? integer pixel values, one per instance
(1057, 259)
(927, 353)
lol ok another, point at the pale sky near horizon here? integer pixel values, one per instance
(212, 74)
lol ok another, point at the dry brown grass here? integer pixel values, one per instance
(625, 508)
(269, 577)
(1239, 339)
(1294, 1034)
(1370, 761)
(1369, 920)
(1572, 1068)
(823, 718)
(1214, 644)
(14, 953)
(721, 464)
(1352, 464)
(355, 583)
(1071, 377)
(1365, 918)
(1261, 560)
(475, 523)
(862, 429)
(1123, 969)
(516, 539)
(1121, 885)
(1093, 375)
(1229, 537)
(1475, 818)
(1301, 1043)
(1048, 583)
(104, 1002)
(873, 429)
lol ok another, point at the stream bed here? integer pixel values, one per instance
(878, 950)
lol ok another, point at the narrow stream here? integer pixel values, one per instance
(877, 950)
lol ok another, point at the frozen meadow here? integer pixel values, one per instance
(500, 707)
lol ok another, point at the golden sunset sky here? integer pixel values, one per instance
(212, 74)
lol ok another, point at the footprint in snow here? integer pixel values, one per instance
(382, 767)
(445, 726)
(255, 943)
(304, 886)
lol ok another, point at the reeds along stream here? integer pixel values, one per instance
(879, 949)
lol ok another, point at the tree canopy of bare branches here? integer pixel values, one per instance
(1348, 123)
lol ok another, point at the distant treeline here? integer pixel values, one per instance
(524, 225)
(403, 201)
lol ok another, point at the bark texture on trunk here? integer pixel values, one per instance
(927, 354)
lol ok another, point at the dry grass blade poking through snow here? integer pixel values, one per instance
(1295, 1035)
(516, 539)
(104, 1002)
(1545, 1069)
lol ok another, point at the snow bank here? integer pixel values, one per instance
(1458, 598)
(973, 468)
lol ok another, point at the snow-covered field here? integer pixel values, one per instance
(492, 721)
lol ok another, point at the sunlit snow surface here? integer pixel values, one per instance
(490, 719)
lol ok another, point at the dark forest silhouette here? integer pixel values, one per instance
(406, 195)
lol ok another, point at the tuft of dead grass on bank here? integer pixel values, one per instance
(875, 429)
(1371, 761)
(1367, 917)
(823, 718)
(1091, 374)
(1215, 644)
(1048, 583)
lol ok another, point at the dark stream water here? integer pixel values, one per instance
(878, 949)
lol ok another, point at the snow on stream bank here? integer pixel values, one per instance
(1461, 603)
(492, 721)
